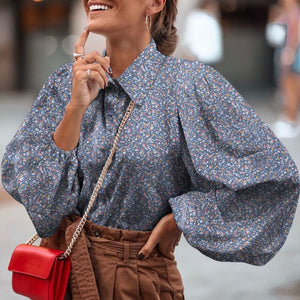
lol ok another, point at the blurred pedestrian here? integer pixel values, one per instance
(276, 37)
(203, 37)
(193, 157)
(289, 80)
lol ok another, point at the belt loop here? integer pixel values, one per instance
(126, 250)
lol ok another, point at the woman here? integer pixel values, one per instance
(289, 81)
(192, 158)
(203, 37)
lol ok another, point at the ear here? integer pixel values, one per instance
(155, 6)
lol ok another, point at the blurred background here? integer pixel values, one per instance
(36, 36)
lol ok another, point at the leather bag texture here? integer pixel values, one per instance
(39, 273)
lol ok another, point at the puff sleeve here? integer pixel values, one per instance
(34, 170)
(244, 184)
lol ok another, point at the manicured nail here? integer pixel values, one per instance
(85, 28)
(141, 256)
(110, 70)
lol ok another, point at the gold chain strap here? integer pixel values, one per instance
(32, 239)
(98, 186)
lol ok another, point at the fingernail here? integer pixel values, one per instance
(141, 256)
(85, 28)
(110, 70)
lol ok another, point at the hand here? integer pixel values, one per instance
(166, 235)
(85, 89)
(86, 84)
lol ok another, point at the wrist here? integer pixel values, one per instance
(172, 223)
(74, 109)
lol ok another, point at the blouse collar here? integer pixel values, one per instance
(139, 77)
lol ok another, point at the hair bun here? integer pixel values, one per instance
(163, 30)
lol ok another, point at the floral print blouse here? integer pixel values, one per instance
(192, 146)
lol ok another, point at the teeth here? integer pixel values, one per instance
(99, 7)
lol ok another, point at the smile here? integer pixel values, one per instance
(99, 7)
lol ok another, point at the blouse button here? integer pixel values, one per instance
(97, 233)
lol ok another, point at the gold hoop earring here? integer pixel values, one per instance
(148, 22)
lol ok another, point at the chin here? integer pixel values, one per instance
(95, 28)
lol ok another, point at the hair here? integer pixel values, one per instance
(163, 30)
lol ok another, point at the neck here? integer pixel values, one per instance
(123, 52)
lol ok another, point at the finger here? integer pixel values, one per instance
(168, 249)
(94, 75)
(101, 72)
(79, 46)
(148, 247)
(166, 252)
(96, 57)
(85, 75)
(80, 67)
(80, 61)
(107, 58)
(93, 58)
(97, 68)
(88, 75)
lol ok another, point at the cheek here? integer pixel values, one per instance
(134, 18)
(133, 12)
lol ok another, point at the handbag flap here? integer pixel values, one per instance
(33, 260)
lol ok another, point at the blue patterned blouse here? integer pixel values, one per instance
(192, 146)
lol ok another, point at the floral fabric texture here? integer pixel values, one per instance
(192, 146)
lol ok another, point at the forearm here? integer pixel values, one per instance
(67, 133)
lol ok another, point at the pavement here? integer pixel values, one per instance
(204, 278)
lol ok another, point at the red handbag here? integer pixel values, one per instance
(39, 273)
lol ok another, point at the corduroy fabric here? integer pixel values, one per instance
(105, 265)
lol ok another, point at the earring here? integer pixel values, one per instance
(148, 22)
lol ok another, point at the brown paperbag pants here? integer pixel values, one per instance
(105, 265)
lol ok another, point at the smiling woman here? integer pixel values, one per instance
(190, 156)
